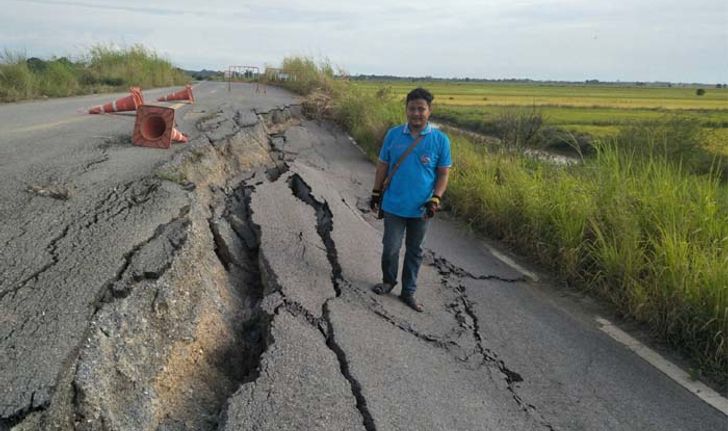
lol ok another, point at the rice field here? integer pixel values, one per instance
(598, 110)
(584, 96)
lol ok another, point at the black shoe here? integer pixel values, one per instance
(382, 288)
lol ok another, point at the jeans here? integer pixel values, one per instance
(395, 228)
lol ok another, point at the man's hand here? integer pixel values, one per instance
(374, 202)
(432, 207)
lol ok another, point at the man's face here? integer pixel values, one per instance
(418, 112)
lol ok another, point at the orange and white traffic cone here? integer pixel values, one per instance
(153, 127)
(184, 94)
(177, 136)
(128, 103)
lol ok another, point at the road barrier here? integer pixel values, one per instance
(245, 74)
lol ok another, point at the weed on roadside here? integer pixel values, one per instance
(104, 68)
(174, 175)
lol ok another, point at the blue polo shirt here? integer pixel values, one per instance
(414, 182)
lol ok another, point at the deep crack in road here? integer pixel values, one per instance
(226, 285)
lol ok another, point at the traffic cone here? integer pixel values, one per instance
(154, 127)
(184, 94)
(177, 136)
(128, 103)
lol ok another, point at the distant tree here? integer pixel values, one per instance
(64, 61)
(35, 64)
(700, 91)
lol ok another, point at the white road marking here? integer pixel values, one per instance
(353, 141)
(668, 368)
(508, 261)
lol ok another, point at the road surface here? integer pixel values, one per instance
(225, 284)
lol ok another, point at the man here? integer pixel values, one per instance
(412, 195)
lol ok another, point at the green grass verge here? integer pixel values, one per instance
(102, 69)
(634, 223)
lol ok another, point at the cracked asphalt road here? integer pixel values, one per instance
(226, 285)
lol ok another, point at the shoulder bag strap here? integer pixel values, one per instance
(399, 162)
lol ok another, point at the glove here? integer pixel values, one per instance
(432, 206)
(376, 197)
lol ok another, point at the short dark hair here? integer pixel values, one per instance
(420, 93)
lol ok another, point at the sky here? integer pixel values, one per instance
(565, 40)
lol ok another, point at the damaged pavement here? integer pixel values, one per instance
(232, 291)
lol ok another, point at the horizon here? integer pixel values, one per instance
(476, 79)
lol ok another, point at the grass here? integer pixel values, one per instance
(102, 69)
(716, 140)
(634, 223)
(577, 116)
(174, 175)
(366, 115)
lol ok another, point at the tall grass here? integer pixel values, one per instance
(17, 82)
(365, 115)
(103, 68)
(309, 76)
(58, 78)
(134, 66)
(634, 224)
(368, 116)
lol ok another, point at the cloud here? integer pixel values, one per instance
(162, 8)
(546, 39)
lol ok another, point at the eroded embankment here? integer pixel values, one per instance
(179, 327)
